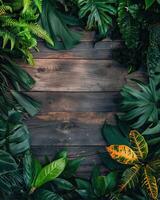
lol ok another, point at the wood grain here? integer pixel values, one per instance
(68, 128)
(77, 101)
(90, 154)
(79, 75)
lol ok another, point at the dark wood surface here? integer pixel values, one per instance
(79, 90)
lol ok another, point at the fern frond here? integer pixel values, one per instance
(26, 5)
(37, 30)
(4, 9)
(7, 36)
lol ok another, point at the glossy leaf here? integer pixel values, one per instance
(44, 194)
(50, 172)
(63, 184)
(138, 144)
(122, 154)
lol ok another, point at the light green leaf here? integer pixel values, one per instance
(50, 172)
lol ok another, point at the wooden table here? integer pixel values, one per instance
(79, 90)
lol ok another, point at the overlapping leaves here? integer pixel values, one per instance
(140, 171)
(141, 107)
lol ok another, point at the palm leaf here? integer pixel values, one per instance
(150, 184)
(122, 154)
(138, 144)
(130, 178)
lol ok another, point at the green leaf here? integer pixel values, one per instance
(57, 25)
(50, 172)
(149, 3)
(98, 14)
(7, 162)
(113, 135)
(100, 186)
(31, 106)
(63, 184)
(111, 181)
(44, 194)
(71, 168)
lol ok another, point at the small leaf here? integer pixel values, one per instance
(139, 145)
(50, 172)
(122, 154)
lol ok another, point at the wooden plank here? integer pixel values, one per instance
(89, 153)
(86, 49)
(77, 101)
(79, 75)
(68, 128)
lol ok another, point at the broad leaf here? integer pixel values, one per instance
(138, 144)
(122, 154)
(150, 183)
(130, 178)
(50, 172)
(56, 25)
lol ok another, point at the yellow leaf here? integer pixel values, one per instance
(122, 154)
(150, 183)
(139, 145)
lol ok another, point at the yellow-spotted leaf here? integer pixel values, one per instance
(139, 145)
(150, 183)
(130, 178)
(122, 154)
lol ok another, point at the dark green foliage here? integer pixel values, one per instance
(99, 14)
(153, 55)
(128, 22)
(14, 135)
(57, 24)
(19, 27)
(12, 79)
(98, 187)
(140, 107)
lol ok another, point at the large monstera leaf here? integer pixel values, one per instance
(150, 183)
(122, 154)
(139, 145)
(130, 178)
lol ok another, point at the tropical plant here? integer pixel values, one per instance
(57, 22)
(142, 169)
(14, 135)
(99, 14)
(141, 107)
(99, 186)
(12, 79)
(19, 27)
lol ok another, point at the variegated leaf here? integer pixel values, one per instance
(150, 183)
(139, 145)
(130, 178)
(122, 154)
(155, 165)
